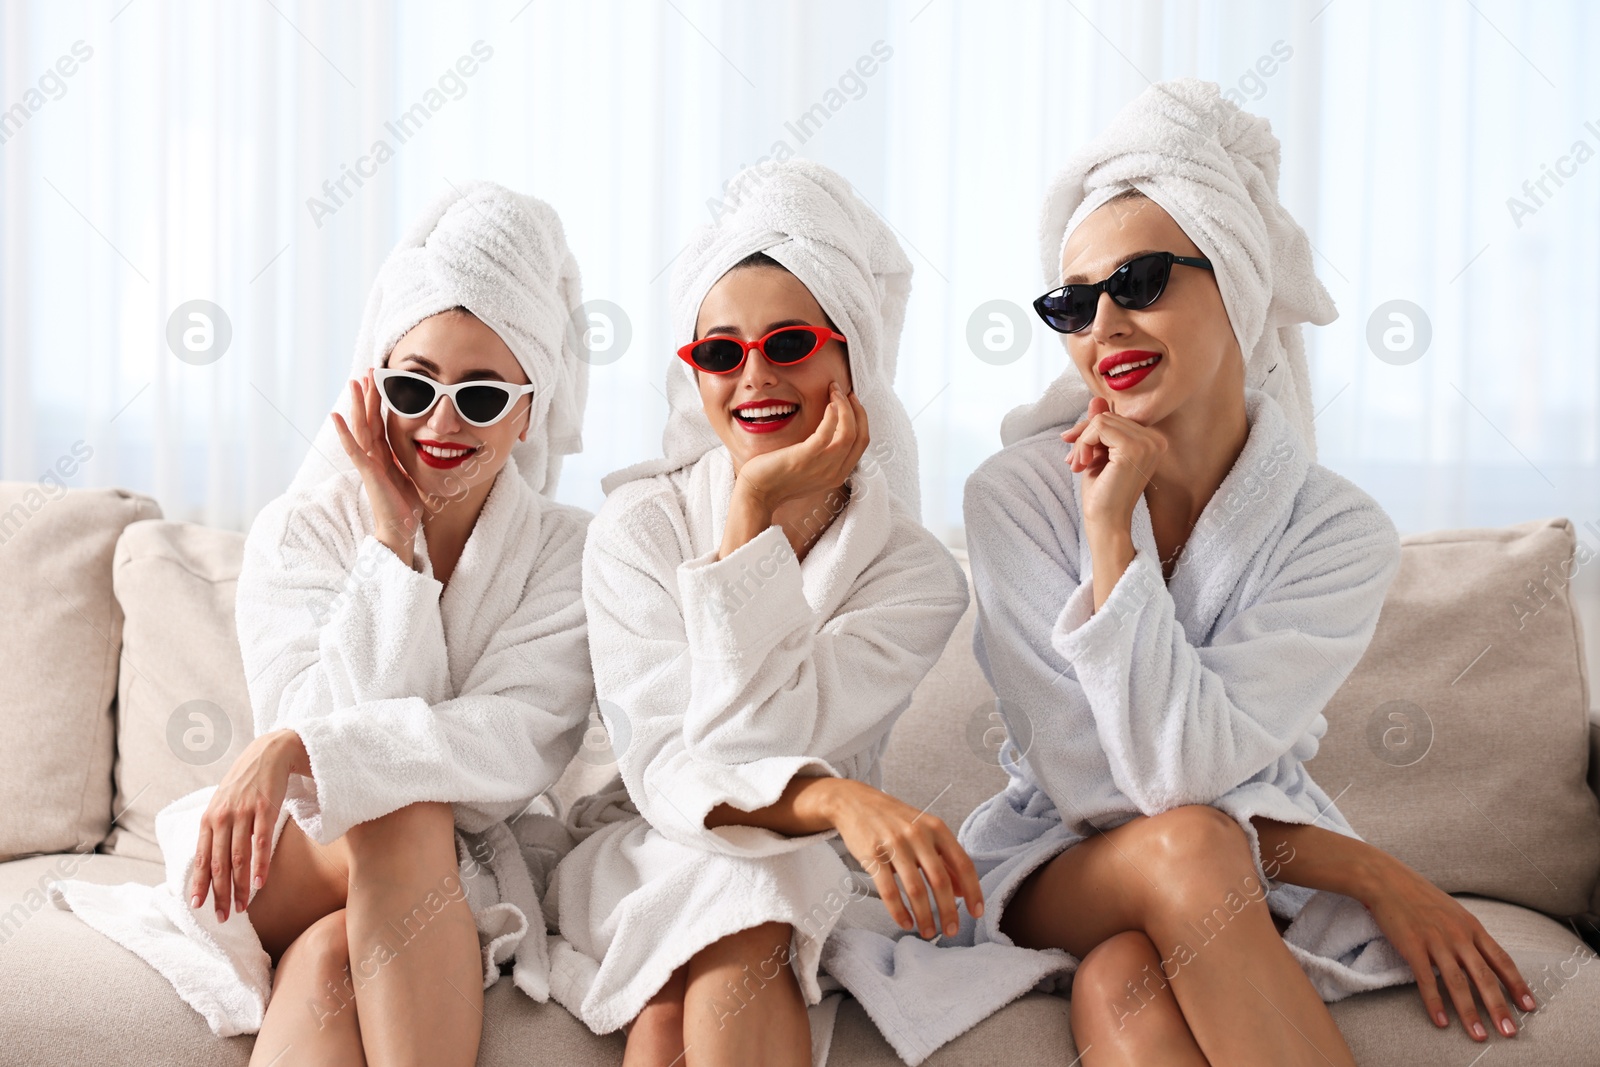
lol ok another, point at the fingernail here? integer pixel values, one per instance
(221, 918)
(257, 881)
(1508, 1027)
(1527, 1001)
(1440, 1019)
(194, 901)
(1479, 1032)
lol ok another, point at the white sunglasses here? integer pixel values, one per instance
(482, 403)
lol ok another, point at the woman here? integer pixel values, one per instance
(762, 602)
(414, 642)
(1165, 612)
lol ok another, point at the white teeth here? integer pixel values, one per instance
(769, 411)
(1124, 368)
(444, 453)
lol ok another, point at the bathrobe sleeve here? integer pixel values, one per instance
(329, 620)
(374, 747)
(731, 683)
(1179, 724)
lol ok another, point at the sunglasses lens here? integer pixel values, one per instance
(408, 396)
(482, 403)
(1068, 310)
(717, 356)
(1140, 281)
(791, 345)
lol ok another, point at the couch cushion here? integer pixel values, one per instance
(69, 989)
(944, 753)
(62, 635)
(1460, 741)
(1386, 1028)
(1389, 1026)
(183, 709)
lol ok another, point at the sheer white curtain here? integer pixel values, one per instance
(196, 151)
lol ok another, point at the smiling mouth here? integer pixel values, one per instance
(1132, 365)
(443, 456)
(766, 414)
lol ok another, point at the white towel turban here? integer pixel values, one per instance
(503, 256)
(807, 218)
(1214, 169)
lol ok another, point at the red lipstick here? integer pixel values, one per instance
(1127, 379)
(455, 459)
(773, 415)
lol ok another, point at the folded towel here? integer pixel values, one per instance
(1214, 169)
(736, 675)
(401, 689)
(807, 218)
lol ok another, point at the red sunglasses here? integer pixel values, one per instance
(785, 346)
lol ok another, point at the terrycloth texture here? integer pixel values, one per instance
(730, 678)
(1207, 690)
(807, 218)
(1214, 168)
(504, 257)
(403, 690)
(219, 969)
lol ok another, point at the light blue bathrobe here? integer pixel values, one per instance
(1207, 690)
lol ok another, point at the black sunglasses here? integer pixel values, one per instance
(1136, 284)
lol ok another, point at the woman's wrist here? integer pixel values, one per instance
(1111, 550)
(817, 800)
(291, 751)
(748, 517)
(1319, 858)
(397, 543)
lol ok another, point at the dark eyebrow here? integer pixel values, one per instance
(1078, 279)
(471, 375)
(770, 327)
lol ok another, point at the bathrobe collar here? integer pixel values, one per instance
(1243, 519)
(509, 521)
(856, 537)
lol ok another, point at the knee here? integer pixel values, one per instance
(421, 828)
(1117, 977)
(1114, 984)
(1195, 855)
(322, 948)
(1192, 839)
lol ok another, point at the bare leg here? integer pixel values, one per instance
(1186, 880)
(1123, 1010)
(413, 942)
(305, 882)
(311, 1018)
(743, 1007)
(655, 1037)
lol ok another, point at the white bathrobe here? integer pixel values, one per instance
(403, 690)
(721, 681)
(1209, 690)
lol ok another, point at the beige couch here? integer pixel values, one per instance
(1461, 743)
